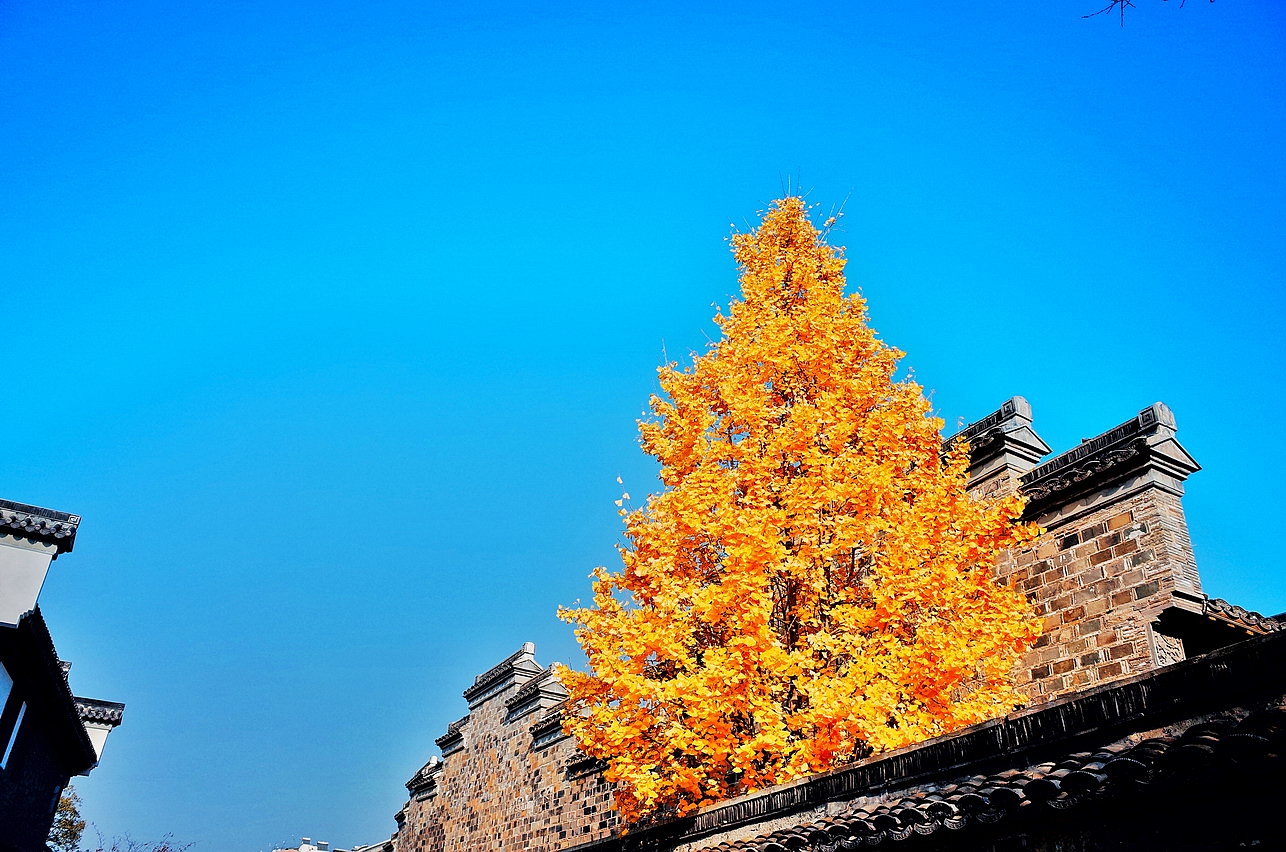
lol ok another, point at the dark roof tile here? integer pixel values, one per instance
(1067, 783)
(1248, 619)
(104, 712)
(33, 522)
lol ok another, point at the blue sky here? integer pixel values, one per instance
(333, 320)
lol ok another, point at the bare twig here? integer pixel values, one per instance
(1120, 5)
(1115, 4)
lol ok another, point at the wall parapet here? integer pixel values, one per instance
(37, 524)
(540, 693)
(548, 730)
(453, 740)
(426, 779)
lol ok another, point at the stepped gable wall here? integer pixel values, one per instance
(1113, 577)
(508, 777)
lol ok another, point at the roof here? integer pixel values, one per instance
(33, 522)
(1250, 620)
(1117, 771)
(28, 650)
(101, 712)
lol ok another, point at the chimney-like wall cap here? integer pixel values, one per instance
(1003, 440)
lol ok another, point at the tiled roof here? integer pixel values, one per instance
(103, 712)
(426, 777)
(1081, 777)
(58, 528)
(28, 651)
(1253, 621)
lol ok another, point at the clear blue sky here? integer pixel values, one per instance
(333, 319)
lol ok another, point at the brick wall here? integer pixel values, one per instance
(1099, 584)
(1113, 577)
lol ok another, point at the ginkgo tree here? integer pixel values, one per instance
(813, 584)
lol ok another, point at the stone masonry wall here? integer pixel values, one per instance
(1113, 578)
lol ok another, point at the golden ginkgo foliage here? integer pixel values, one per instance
(813, 584)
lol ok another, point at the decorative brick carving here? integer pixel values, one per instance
(1166, 650)
(101, 712)
(1143, 450)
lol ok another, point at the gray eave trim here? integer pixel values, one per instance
(101, 712)
(33, 522)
